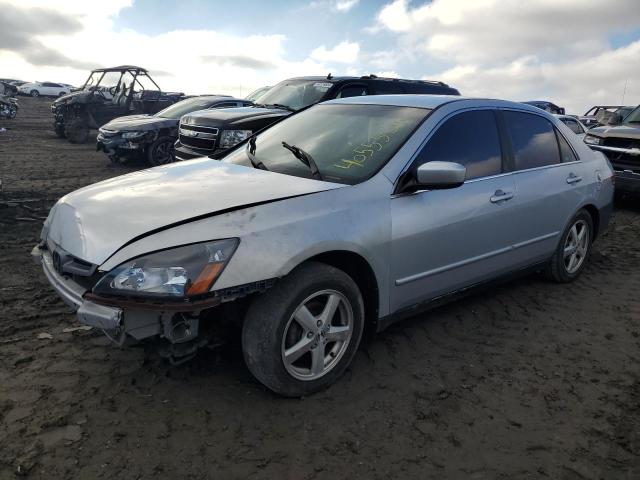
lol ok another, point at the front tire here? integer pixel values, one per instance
(161, 151)
(573, 250)
(34, 93)
(301, 335)
(59, 130)
(77, 131)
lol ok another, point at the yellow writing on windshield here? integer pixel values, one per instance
(365, 151)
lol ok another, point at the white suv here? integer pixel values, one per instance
(35, 89)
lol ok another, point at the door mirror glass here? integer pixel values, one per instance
(440, 175)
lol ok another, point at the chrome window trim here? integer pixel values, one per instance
(554, 165)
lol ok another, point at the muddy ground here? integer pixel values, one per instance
(529, 380)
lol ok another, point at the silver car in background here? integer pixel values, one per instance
(574, 125)
(340, 219)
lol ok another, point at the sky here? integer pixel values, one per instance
(575, 53)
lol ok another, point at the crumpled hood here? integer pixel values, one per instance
(82, 95)
(94, 222)
(622, 131)
(138, 122)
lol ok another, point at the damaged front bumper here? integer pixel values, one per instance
(88, 312)
(627, 179)
(118, 146)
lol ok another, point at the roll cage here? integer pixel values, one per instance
(137, 73)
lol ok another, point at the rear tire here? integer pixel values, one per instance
(161, 151)
(573, 250)
(34, 93)
(301, 335)
(77, 131)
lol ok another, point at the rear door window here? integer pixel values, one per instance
(533, 140)
(386, 88)
(470, 139)
(353, 91)
(566, 153)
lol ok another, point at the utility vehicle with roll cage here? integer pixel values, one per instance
(108, 93)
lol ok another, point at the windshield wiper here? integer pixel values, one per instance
(305, 158)
(251, 151)
(280, 106)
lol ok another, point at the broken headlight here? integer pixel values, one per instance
(180, 272)
(592, 140)
(229, 138)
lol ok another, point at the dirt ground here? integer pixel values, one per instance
(530, 380)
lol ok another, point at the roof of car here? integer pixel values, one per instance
(121, 67)
(432, 101)
(331, 78)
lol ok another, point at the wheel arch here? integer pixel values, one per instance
(360, 270)
(593, 211)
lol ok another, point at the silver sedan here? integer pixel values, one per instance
(340, 219)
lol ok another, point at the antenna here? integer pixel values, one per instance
(624, 92)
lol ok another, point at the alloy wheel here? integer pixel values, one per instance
(317, 335)
(163, 153)
(576, 246)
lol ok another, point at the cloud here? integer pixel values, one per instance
(21, 27)
(575, 85)
(340, 6)
(345, 5)
(517, 50)
(241, 61)
(345, 52)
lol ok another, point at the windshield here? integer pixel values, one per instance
(179, 109)
(93, 79)
(296, 94)
(634, 116)
(349, 143)
(253, 96)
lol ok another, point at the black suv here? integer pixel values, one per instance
(209, 133)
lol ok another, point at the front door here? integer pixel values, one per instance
(446, 240)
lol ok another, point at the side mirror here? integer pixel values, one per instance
(440, 175)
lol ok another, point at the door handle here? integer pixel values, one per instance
(501, 196)
(573, 178)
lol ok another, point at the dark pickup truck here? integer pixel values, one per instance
(209, 133)
(620, 142)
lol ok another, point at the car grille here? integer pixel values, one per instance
(619, 160)
(621, 142)
(196, 136)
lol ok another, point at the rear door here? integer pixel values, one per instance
(445, 240)
(549, 182)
